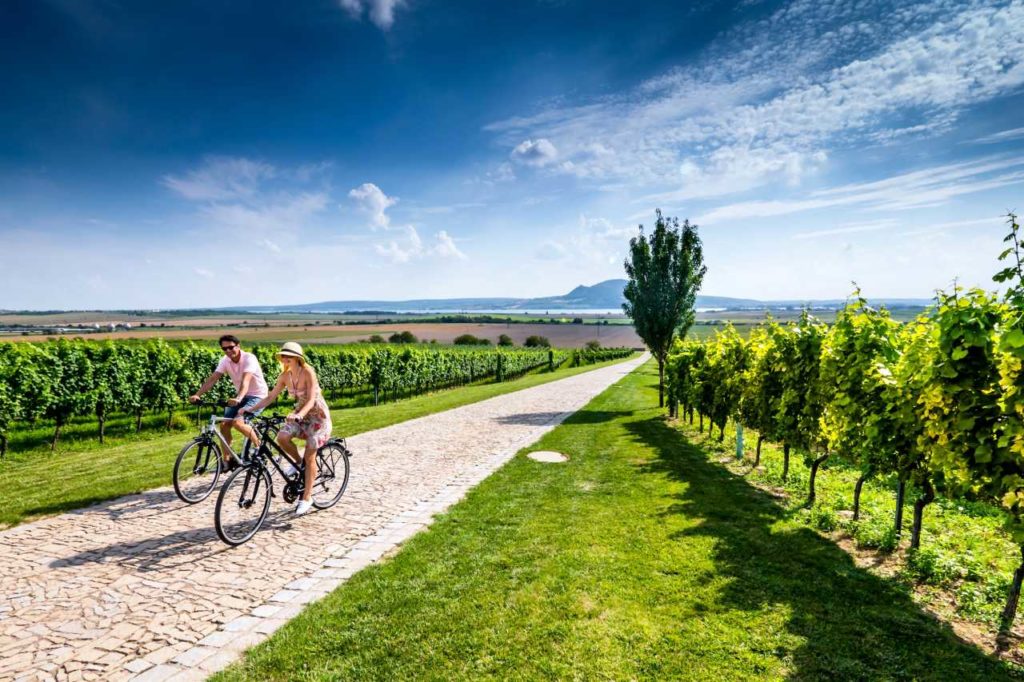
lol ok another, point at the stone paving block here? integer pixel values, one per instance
(159, 673)
(193, 656)
(189, 675)
(244, 641)
(242, 624)
(270, 625)
(218, 661)
(138, 666)
(217, 638)
(300, 584)
(266, 610)
(284, 596)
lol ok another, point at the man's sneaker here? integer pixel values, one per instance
(302, 507)
(229, 465)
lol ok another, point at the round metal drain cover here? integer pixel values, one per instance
(547, 456)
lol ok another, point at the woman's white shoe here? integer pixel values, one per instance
(303, 506)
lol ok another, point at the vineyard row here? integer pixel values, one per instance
(64, 379)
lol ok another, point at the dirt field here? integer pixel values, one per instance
(561, 335)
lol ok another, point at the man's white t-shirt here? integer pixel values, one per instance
(235, 370)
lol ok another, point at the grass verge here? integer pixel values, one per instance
(638, 558)
(38, 483)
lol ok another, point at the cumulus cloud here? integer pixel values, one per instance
(445, 246)
(536, 153)
(380, 12)
(373, 201)
(411, 247)
(221, 178)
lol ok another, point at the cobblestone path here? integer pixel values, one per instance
(141, 588)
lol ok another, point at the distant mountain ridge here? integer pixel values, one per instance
(605, 295)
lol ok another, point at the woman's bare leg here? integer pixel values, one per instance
(285, 441)
(310, 456)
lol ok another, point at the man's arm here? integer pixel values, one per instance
(207, 385)
(243, 390)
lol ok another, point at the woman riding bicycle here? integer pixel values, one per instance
(310, 419)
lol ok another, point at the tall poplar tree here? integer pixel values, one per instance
(665, 272)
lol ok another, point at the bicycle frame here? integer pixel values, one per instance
(211, 430)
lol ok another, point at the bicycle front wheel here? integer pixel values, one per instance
(196, 470)
(242, 505)
(332, 471)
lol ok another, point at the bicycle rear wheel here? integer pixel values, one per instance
(242, 505)
(196, 470)
(332, 471)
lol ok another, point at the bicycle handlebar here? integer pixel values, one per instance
(269, 419)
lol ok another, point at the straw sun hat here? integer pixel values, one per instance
(291, 349)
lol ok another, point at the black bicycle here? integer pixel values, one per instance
(244, 501)
(200, 462)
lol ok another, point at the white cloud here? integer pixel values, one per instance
(1004, 136)
(770, 101)
(921, 188)
(536, 153)
(411, 247)
(503, 173)
(873, 226)
(593, 240)
(381, 12)
(203, 272)
(445, 246)
(283, 212)
(373, 201)
(551, 250)
(221, 178)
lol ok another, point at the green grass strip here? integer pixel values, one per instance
(40, 483)
(637, 559)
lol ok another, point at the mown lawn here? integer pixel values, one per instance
(37, 483)
(640, 558)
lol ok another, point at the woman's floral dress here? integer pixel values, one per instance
(316, 426)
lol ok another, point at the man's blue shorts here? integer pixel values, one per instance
(231, 411)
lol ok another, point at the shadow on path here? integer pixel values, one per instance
(175, 549)
(854, 625)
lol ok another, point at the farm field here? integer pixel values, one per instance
(560, 335)
(639, 558)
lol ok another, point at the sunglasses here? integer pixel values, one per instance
(228, 349)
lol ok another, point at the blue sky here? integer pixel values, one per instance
(215, 153)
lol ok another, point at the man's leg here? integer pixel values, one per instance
(246, 430)
(225, 430)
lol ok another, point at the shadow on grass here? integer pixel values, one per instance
(580, 417)
(854, 625)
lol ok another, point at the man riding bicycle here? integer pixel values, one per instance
(250, 388)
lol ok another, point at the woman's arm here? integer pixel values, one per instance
(271, 397)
